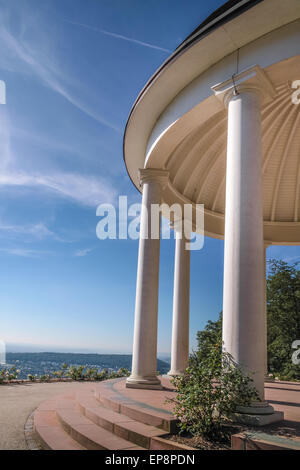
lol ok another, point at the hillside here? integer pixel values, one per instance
(41, 363)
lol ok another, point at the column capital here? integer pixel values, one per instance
(155, 175)
(253, 79)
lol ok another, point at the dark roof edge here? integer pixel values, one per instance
(226, 12)
(222, 15)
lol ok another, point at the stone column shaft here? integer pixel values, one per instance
(244, 319)
(243, 299)
(265, 312)
(144, 355)
(181, 298)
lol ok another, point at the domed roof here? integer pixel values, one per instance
(179, 125)
(204, 151)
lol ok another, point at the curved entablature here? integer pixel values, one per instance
(179, 125)
(193, 150)
(277, 46)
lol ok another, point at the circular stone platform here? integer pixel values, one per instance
(18, 401)
(112, 414)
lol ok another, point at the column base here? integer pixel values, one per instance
(256, 419)
(257, 414)
(150, 383)
(257, 408)
(174, 373)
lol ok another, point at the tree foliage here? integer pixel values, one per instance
(283, 304)
(210, 336)
(283, 319)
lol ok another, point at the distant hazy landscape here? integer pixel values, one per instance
(47, 362)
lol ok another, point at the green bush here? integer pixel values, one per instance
(90, 374)
(73, 372)
(32, 378)
(102, 375)
(8, 374)
(123, 372)
(87, 373)
(45, 378)
(76, 373)
(209, 392)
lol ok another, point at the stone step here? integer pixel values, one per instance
(59, 425)
(110, 396)
(50, 434)
(107, 416)
(121, 425)
(90, 435)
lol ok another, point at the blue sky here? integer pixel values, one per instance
(72, 69)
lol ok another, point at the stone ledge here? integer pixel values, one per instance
(30, 435)
(258, 420)
(262, 441)
(160, 443)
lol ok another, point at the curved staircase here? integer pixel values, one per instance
(107, 416)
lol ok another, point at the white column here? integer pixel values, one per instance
(243, 296)
(181, 299)
(244, 276)
(244, 273)
(266, 244)
(144, 355)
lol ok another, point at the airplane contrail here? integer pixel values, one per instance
(119, 36)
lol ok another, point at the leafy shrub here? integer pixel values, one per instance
(8, 374)
(87, 373)
(76, 373)
(209, 392)
(45, 378)
(122, 372)
(73, 372)
(90, 374)
(60, 374)
(102, 375)
(32, 378)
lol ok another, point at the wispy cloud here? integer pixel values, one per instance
(45, 142)
(5, 144)
(37, 231)
(24, 252)
(120, 36)
(83, 252)
(33, 52)
(37, 62)
(87, 190)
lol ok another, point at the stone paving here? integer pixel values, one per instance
(17, 402)
(285, 396)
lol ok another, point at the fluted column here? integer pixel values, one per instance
(144, 355)
(181, 298)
